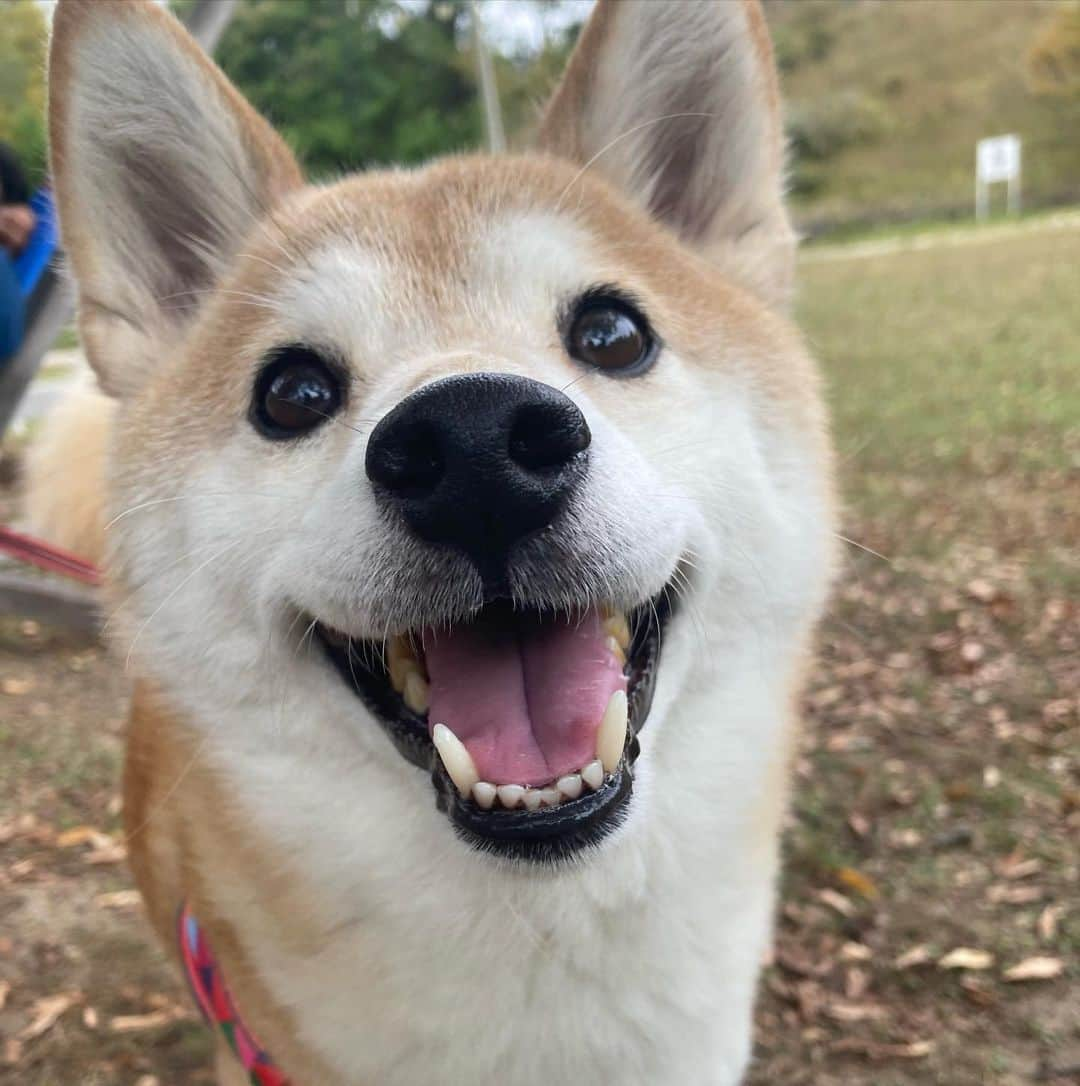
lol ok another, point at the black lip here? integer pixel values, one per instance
(549, 834)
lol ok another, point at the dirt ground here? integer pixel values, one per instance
(929, 928)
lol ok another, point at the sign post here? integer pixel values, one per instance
(997, 159)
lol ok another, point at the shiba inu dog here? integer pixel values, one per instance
(468, 529)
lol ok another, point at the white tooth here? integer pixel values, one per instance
(611, 738)
(484, 794)
(593, 775)
(456, 758)
(619, 628)
(416, 692)
(510, 795)
(616, 650)
(550, 797)
(570, 785)
(531, 799)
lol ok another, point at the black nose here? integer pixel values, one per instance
(479, 461)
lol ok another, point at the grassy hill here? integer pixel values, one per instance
(886, 99)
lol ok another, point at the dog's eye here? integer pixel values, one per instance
(610, 334)
(296, 391)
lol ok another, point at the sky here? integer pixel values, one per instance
(510, 25)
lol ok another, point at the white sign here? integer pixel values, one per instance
(997, 159)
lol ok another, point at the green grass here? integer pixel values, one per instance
(948, 369)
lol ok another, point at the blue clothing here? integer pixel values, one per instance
(12, 309)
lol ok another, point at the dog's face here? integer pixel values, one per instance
(483, 469)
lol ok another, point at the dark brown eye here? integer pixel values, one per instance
(296, 391)
(608, 333)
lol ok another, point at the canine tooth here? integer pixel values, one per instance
(416, 692)
(616, 650)
(593, 774)
(611, 737)
(510, 795)
(619, 628)
(570, 785)
(456, 758)
(484, 793)
(549, 797)
(531, 799)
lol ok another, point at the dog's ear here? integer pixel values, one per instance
(677, 104)
(161, 170)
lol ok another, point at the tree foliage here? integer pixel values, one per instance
(1054, 57)
(354, 84)
(22, 83)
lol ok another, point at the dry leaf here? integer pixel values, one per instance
(1047, 924)
(136, 1023)
(46, 1013)
(964, 957)
(841, 1011)
(836, 901)
(12, 1051)
(1014, 895)
(90, 1018)
(81, 835)
(858, 883)
(119, 899)
(1020, 869)
(912, 1050)
(1040, 968)
(5, 991)
(110, 854)
(855, 952)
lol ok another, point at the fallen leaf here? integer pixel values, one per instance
(836, 901)
(1039, 968)
(874, 1050)
(81, 835)
(841, 1011)
(1020, 869)
(857, 882)
(137, 1023)
(1047, 924)
(12, 1051)
(5, 991)
(17, 687)
(46, 1013)
(119, 899)
(90, 1018)
(963, 957)
(1014, 895)
(916, 955)
(110, 854)
(982, 590)
(855, 952)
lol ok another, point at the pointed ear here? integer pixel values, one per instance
(676, 103)
(161, 170)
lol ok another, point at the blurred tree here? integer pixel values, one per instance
(22, 83)
(1054, 56)
(352, 84)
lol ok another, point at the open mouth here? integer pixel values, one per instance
(526, 719)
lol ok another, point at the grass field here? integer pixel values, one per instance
(938, 798)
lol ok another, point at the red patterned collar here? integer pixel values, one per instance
(211, 993)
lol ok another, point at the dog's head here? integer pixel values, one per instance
(486, 468)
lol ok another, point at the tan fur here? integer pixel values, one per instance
(721, 310)
(65, 475)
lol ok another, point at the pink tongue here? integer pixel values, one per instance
(525, 697)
